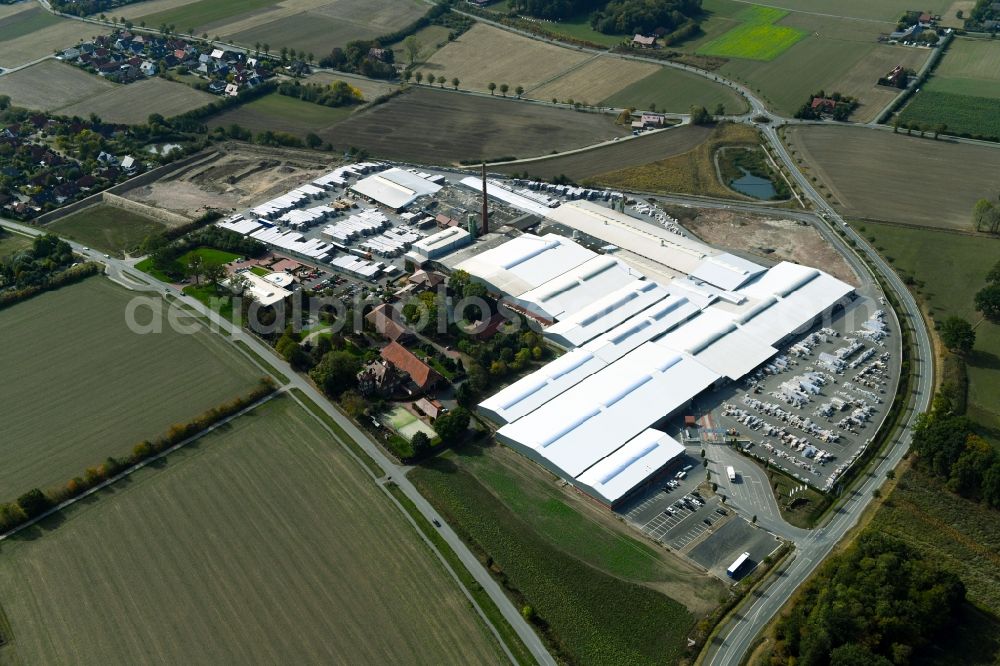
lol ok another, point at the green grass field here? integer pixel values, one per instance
(676, 91)
(579, 28)
(580, 575)
(82, 386)
(882, 10)
(26, 22)
(107, 228)
(282, 113)
(200, 14)
(11, 242)
(952, 268)
(261, 542)
(209, 257)
(756, 38)
(961, 114)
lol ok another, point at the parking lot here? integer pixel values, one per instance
(813, 408)
(731, 539)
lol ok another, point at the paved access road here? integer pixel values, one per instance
(123, 273)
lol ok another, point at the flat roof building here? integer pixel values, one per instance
(395, 188)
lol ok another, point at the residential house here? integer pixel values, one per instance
(232, 90)
(378, 378)
(422, 376)
(386, 321)
(426, 279)
(643, 42)
(148, 68)
(429, 407)
(823, 104)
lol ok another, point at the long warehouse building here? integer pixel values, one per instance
(639, 350)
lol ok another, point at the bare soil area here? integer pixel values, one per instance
(773, 238)
(236, 177)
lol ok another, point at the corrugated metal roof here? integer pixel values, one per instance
(616, 475)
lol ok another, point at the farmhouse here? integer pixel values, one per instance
(644, 42)
(386, 321)
(823, 104)
(420, 374)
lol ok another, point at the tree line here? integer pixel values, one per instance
(46, 265)
(165, 254)
(36, 502)
(879, 603)
(338, 93)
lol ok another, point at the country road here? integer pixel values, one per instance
(123, 273)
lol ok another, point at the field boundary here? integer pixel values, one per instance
(137, 466)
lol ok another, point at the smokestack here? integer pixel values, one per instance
(486, 210)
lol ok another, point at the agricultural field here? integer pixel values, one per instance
(883, 10)
(579, 28)
(436, 127)
(107, 228)
(198, 14)
(323, 25)
(431, 38)
(598, 78)
(756, 38)
(693, 172)
(672, 90)
(262, 542)
(485, 54)
(860, 80)
(605, 596)
(28, 33)
(88, 387)
(282, 113)
(634, 152)
(949, 269)
(133, 103)
(876, 174)
(51, 85)
(962, 92)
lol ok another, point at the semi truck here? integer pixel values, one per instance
(734, 568)
(732, 473)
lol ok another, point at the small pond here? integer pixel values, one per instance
(753, 186)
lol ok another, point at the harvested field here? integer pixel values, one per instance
(431, 38)
(51, 85)
(599, 78)
(369, 88)
(327, 25)
(261, 543)
(874, 174)
(437, 127)
(641, 150)
(87, 387)
(133, 103)
(773, 238)
(486, 54)
(675, 91)
(237, 176)
(693, 172)
(107, 228)
(21, 48)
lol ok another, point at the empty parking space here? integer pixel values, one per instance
(728, 542)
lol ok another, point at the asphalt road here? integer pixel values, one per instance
(123, 273)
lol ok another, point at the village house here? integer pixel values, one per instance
(421, 376)
(378, 378)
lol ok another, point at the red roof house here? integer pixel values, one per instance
(420, 373)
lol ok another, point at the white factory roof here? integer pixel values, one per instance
(242, 227)
(428, 246)
(578, 287)
(605, 313)
(263, 291)
(526, 262)
(642, 456)
(726, 271)
(647, 325)
(395, 188)
(279, 279)
(533, 391)
(628, 233)
(497, 190)
(596, 417)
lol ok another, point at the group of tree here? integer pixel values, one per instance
(986, 216)
(35, 266)
(625, 17)
(360, 57)
(947, 446)
(497, 358)
(165, 254)
(987, 299)
(338, 93)
(843, 107)
(87, 7)
(879, 603)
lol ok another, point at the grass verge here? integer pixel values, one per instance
(261, 362)
(496, 618)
